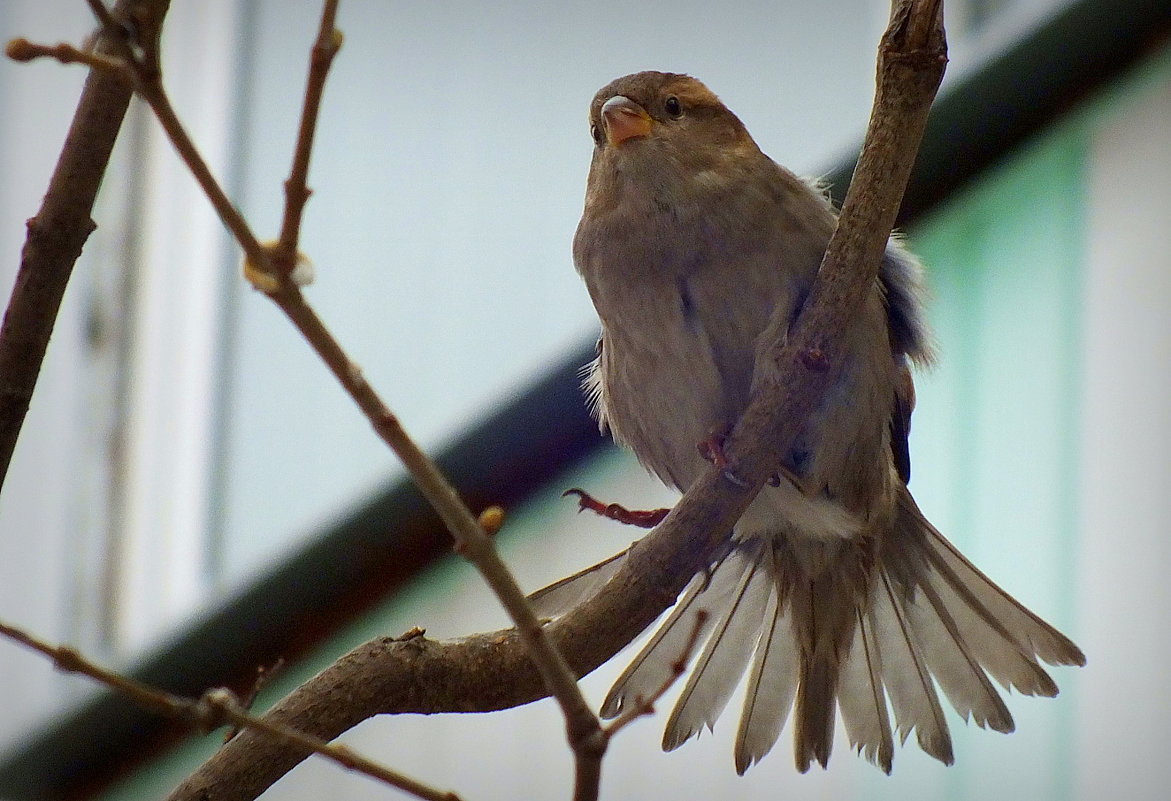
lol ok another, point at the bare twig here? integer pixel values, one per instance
(297, 192)
(381, 676)
(264, 675)
(216, 708)
(588, 770)
(151, 90)
(472, 542)
(23, 50)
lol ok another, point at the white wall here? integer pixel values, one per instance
(1125, 457)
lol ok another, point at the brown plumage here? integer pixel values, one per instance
(836, 593)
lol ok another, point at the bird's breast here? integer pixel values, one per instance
(663, 390)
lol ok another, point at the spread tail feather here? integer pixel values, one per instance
(772, 684)
(875, 630)
(561, 596)
(654, 664)
(725, 656)
(861, 698)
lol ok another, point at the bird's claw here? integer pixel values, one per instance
(643, 518)
(712, 450)
(731, 476)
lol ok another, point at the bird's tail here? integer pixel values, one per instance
(877, 630)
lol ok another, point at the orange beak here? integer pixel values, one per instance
(624, 119)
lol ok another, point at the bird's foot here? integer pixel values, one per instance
(643, 518)
(711, 448)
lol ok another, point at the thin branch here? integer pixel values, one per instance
(264, 675)
(588, 771)
(150, 89)
(20, 49)
(472, 542)
(422, 676)
(216, 708)
(297, 192)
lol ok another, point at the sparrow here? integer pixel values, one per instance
(835, 594)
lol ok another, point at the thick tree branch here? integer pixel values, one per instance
(58, 232)
(492, 671)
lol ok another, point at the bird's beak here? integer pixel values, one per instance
(624, 119)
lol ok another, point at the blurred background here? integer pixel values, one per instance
(193, 495)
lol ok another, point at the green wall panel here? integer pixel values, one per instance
(994, 436)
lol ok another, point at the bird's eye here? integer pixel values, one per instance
(673, 107)
(596, 133)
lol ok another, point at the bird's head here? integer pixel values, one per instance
(660, 110)
(662, 129)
